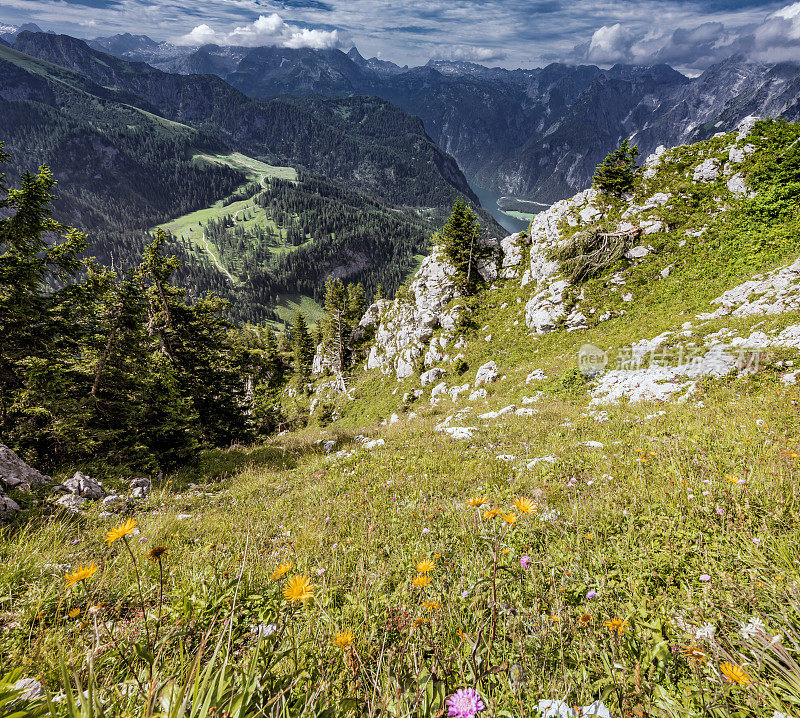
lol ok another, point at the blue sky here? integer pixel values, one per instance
(687, 34)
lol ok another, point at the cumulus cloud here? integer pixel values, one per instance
(267, 30)
(692, 49)
(471, 54)
(778, 38)
(610, 44)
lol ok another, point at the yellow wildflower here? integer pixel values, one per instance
(80, 574)
(421, 581)
(299, 588)
(280, 571)
(425, 566)
(510, 518)
(491, 513)
(120, 531)
(734, 673)
(477, 501)
(524, 505)
(342, 639)
(616, 625)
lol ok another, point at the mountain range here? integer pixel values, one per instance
(130, 146)
(533, 133)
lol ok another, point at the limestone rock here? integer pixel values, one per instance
(746, 125)
(431, 376)
(477, 394)
(486, 374)
(15, 472)
(141, 488)
(545, 309)
(707, 171)
(81, 485)
(637, 252)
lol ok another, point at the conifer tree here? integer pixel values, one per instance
(343, 307)
(460, 238)
(302, 347)
(615, 175)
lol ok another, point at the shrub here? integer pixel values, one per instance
(590, 253)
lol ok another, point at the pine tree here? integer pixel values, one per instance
(460, 238)
(615, 175)
(302, 347)
(343, 307)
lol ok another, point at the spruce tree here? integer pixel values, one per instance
(343, 307)
(302, 347)
(460, 238)
(616, 174)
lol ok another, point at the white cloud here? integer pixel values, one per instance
(471, 54)
(610, 44)
(267, 30)
(771, 38)
(778, 38)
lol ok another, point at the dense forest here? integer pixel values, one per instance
(124, 366)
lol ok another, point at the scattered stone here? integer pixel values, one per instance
(459, 432)
(8, 507)
(486, 373)
(737, 185)
(141, 488)
(526, 412)
(440, 388)
(15, 472)
(374, 444)
(535, 375)
(638, 252)
(393, 419)
(501, 412)
(31, 689)
(540, 459)
(81, 485)
(328, 447)
(592, 444)
(746, 125)
(707, 171)
(477, 394)
(71, 502)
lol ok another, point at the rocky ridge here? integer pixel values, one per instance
(420, 331)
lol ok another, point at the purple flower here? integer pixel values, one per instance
(705, 577)
(591, 594)
(525, 561)
(465, 703)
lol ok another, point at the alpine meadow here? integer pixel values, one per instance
(463, 383)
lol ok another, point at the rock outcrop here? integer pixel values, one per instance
(16, 474)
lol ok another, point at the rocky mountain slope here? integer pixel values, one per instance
(695, 259)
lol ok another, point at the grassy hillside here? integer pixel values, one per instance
(642, 554)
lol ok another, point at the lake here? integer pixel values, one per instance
(506, 221)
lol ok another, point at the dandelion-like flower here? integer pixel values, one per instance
(753, 628)
(584, 620)
(421, 581)
(280, 571)
(432, 605)
(510, 518)
(491, 513)
(80, 574)
(465, 703)
(477, 501)
(524, 505)
(342, 639)
(693, 654)
(616, 625)
(120, 531)
(298, 589)
(734, 673)
(155, 553)
(74, 613)
(425, 566)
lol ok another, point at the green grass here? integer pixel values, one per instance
(253, 168)
(686, 517)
